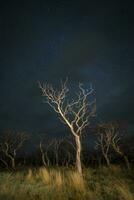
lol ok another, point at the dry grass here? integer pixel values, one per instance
(123, 191)
(29, 176)
(58, 179)
(59, 184)
(44, 175)
(76, 181)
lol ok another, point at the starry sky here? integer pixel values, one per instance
(86, 41)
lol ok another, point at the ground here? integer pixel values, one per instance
(115, 183)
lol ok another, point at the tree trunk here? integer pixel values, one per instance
(12, 160)
(125, 158)
(43, 159)
(13, 163)
(107, 160)
(127, 162)
(78, 154)
(4, 162)
(42, 154)
(57, 159)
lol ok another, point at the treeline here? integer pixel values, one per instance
(18, 151)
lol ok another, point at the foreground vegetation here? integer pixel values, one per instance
(61, 184)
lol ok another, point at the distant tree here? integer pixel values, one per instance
(74, 114)
(67, 151)
(43, 153)
(116, 143)
(109, 139)
(45, 145)
(10, 144)
(56, 144)
(63, 149)
(104, 141)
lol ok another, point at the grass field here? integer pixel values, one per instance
(62, 184)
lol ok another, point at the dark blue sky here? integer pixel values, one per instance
(88, 41)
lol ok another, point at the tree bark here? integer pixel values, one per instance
(78, 154)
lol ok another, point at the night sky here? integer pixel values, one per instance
(86, 41)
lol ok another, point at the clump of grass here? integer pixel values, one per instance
(44, 176)
(76, 181)
(30, 176)
(116, 169)
(58, 180)
(123, 190)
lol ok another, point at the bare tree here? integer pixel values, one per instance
(74, 114)
(56, 147)
(44, 146)
(43, 153)
(10, 143)
(115, 143)
(68, 150)
(104, 141)
(108, 139)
